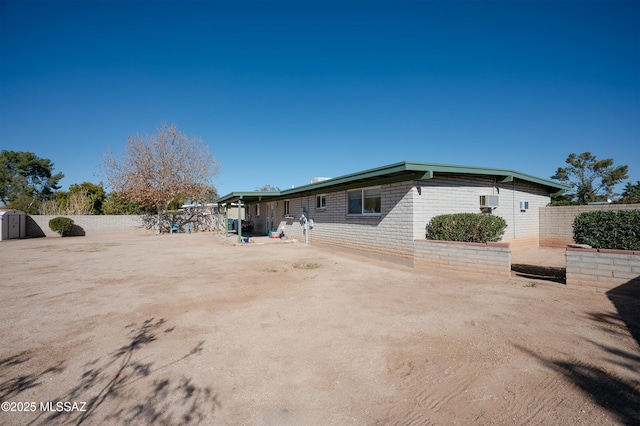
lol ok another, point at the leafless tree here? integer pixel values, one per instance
(162, 167)
(50, 207)
(77, 202)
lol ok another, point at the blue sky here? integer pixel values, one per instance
(285, 91)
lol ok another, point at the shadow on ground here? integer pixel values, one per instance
(127, 379)
(626, 299)
(546, 273)
(620, 396)
(14, 386)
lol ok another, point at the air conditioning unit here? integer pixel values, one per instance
(489, 201)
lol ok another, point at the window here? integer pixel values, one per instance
(286, 208)
(364, 202)
(257, 210)
(321, 201)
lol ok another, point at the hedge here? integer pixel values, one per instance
(618, 230)
(61, 225)
(466, 227)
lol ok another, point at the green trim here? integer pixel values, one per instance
(392, 173)
(246, 197)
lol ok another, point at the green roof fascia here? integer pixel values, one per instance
(392, 173)
(502, 175)
(247, 196)
(397, 172)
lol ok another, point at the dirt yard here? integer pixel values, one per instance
(188, 329)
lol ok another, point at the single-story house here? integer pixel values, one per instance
(385, 209)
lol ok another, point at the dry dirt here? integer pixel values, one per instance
(188, 329)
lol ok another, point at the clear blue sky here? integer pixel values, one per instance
(285, 91)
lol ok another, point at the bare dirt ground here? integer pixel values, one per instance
(188, 329)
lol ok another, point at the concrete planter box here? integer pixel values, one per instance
(603, 270)
(476, 258)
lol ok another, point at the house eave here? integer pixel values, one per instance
(392, 173)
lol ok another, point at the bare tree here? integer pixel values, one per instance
(50, 207)
(79, 202)
(160, 168)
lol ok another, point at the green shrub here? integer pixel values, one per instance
(608, 229)
(466, 227)
(61, 225)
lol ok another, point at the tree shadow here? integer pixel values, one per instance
(626, 299)
(619, 396)
(12, 387)
(547, 273)
(126, 379)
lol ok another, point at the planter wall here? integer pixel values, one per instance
(476, 258)
(602, 270)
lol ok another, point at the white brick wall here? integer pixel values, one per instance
(458, 194)
(406, 209)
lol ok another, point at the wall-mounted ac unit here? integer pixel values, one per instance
(489, 201)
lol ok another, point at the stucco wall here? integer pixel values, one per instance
(556, 223)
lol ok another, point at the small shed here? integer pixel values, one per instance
(13, 224)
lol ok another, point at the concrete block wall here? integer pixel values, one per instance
(38, 225)
(406, 209)
(390, 234)
(556, 222)
(461, 194)
(602, 270)
(476, 258)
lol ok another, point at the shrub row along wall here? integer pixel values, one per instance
(556, 223)
(38, 225)
(483, 258)
(602, 270)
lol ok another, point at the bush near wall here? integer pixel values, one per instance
(466, 227)
(61, 225)
(618, 230)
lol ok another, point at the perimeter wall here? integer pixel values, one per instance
(38, 225)
(556, 223)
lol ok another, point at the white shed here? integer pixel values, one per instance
(13, 224)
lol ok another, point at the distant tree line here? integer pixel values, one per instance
(156, 174)
(160, 172)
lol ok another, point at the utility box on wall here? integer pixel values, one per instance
(13, 224)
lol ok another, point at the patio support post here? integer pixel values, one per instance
(240, 220)
(226, 220)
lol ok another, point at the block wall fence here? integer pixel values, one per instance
(38, 225)
(475, 258)
(602, 270)
(556, 223)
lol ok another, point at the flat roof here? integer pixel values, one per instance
(397, 172)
